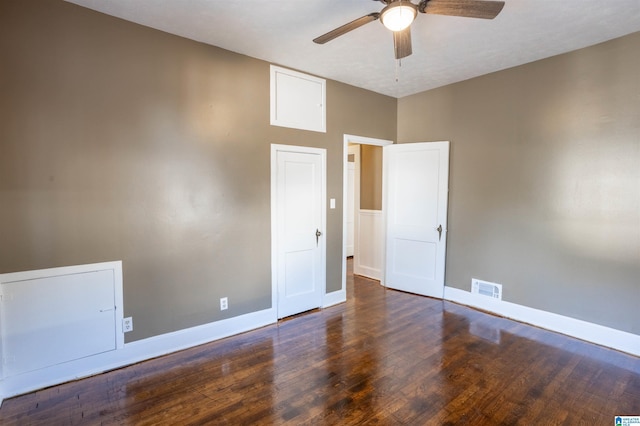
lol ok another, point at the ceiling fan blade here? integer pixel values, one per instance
(466, 8)
(402, 43)
(346, 28)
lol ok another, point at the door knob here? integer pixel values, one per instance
(318, 234)
(439, 229)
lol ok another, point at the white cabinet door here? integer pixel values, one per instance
(47, 321)
(416, 192)
(298, 100)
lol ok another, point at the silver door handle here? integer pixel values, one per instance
(318, 234)
(439, 229)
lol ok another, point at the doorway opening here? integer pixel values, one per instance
(367, 223)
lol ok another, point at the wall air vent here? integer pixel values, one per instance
(485, 288)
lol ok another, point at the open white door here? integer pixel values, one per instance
(415, 191)
(298, 223)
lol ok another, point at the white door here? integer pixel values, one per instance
(298, 189)
(416, 179)
(351, 207)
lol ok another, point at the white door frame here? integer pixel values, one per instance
(352, 197)
(362, 140)
(275, 148)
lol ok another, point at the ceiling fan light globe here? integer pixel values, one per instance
(398, 15)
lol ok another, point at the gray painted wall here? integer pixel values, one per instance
(545, 180)
(370, 177)
(122, 142)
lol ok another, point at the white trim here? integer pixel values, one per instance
(63, 270)
(334, 298)
(274, 231)
(590, 332)
(350, 201)
(362, 140)
(275, 148)
(135, 352)
(368, 261)
(355, 150)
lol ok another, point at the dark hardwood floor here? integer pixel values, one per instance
(384, 357)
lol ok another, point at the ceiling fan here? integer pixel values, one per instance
(398, 15)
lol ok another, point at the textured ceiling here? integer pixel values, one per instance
(446, 49)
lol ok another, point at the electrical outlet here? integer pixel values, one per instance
(224, 303)
(127, 325)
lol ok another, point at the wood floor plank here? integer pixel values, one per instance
(384, 357)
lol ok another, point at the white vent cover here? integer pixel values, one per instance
(485, 288)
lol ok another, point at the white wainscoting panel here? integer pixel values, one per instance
(368, 258)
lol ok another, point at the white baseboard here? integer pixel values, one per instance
(164, 344)
(368, 248)
(134, 352)
(590, 332)
(373, 273)
(334, 298)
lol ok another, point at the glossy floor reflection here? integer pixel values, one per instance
(384, 357)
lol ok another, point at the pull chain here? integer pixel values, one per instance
(398, 66)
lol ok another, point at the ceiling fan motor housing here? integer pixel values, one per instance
(398, 15)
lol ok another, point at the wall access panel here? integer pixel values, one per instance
(298, 100)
